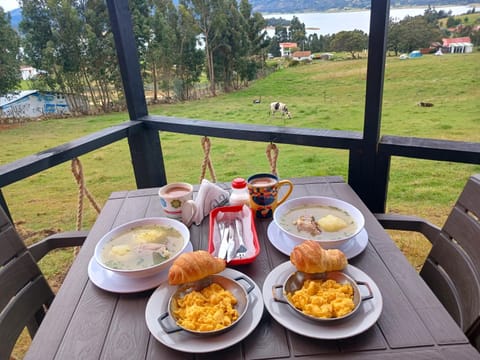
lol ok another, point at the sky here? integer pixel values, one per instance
(8, 5)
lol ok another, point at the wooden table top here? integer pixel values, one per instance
(86, 322)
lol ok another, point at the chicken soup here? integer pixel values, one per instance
(142, 247)
(318, 222)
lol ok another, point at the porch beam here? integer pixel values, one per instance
(145, 149)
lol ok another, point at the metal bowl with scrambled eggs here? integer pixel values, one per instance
(208, 306)
(323, 297)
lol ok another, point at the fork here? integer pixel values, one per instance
(242, 249)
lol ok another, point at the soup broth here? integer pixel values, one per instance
(288, 220)
(142, 247)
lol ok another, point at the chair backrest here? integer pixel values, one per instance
(452, 269)
(24, 292)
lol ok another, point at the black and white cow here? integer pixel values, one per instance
(278, 106)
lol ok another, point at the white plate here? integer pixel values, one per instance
(366, 315)
(117, 283)
(285, 245)
(187, 342)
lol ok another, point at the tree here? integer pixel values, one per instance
(9, 64)
(297, 32)
(350, 41)
(393, 36)
(210, 20)
(281, 34)
(258, 43)
(100, 72)
(35, 27)
(274, 47)
(415, 33)
(190, 58)
(162, 44)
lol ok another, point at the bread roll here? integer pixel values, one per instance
(193, 266)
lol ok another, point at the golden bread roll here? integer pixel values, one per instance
(310, 257)
(193, 266)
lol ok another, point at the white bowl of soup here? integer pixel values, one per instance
(330, 221)
(142, 247)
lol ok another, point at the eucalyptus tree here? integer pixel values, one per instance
(101, 72)
(190, 63)
(210, 19)
(140, 11)
(162, 54)
(9, 64)
(297, 32)
(281, 33)
(52, 31)
(258, 42)
(232, 45)
(37, 33)
(66, 47)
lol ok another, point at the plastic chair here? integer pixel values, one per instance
(24, 292)
(452, 268)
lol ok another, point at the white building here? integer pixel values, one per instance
(35, 103)
(458, 45)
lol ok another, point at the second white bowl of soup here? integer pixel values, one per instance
(330, 221)
(142, 247)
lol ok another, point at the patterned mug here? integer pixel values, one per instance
(173, 197)
(263, 189)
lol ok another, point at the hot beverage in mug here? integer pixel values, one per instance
(177, 191)
(173, 197)
(263, 190)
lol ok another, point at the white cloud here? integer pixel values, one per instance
(8, 5)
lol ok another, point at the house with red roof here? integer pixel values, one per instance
(302, 55)
(287, 48)
(458, 45)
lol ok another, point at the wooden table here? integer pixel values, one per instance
(86, 322)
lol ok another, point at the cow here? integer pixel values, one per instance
(278, 106)
(425, 104)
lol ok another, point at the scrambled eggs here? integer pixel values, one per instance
(210, 309)
(323, 298)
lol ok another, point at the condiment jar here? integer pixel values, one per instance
(239, 194)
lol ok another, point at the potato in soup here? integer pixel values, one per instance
(319, 222)
(142, 247)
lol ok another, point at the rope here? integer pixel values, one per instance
(77, 172)
(207, 161)
(272, 158)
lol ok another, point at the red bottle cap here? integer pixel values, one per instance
(239, 183)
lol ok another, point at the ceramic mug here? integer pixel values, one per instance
(173, 197)
(263, 190)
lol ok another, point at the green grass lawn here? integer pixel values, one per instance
(327, 95)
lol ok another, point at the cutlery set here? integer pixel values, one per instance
(232, 244)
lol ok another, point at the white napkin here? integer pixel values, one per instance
(209, 197)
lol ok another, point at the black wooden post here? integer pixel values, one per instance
(145, 148)
(364, 174)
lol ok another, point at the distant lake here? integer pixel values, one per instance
(333, 22)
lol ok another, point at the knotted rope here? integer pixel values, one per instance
(207, 161)
(77, 172)
(272, 156)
